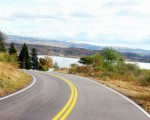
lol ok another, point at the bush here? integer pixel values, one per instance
(43, 68)
(110, 64)
(122, 69)
(110, 67)
(45, 63)
(144, 80)
(86, 70)
(110, 55)
(98, 68)
(74, 65)
(134, 68)
(4, 57)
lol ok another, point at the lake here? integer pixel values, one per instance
(65, 62)
(141, 65)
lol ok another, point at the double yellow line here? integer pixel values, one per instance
(65, 111)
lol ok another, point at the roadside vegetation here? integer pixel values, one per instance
(31, 61)
(109, 68)
(11, 78)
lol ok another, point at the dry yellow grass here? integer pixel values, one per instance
(11, 79)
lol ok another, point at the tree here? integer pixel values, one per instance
(2, 46)
(45, 63)
(94, 60)
(113, 60)
(12, 49)
(24, 57)
(86, 60)
(111, 56)
(34, 59)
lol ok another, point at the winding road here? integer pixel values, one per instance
(55, 96)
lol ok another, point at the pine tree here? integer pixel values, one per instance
(12, 49)
(24, 57)
(2, 38)
(34, 59)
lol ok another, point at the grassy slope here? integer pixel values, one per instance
(140, 94)
(11, 79)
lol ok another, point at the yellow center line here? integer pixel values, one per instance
(71, 106)
(66, 110)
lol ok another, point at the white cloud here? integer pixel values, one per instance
(97, 21)
(41, 1)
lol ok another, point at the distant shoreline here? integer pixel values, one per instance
(72, 52)
(60, 59)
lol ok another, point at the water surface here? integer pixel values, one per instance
(65, 62)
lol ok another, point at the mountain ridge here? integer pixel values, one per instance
(66, 44)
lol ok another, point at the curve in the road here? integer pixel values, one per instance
(128, 99)
(55, 96)
(65, 111)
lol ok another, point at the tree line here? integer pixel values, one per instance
(110, 64)
(25, 59)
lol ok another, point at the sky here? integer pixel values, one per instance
(124, 23)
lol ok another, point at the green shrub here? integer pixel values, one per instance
(45, 63)
(110, 55)
(74, 65)
(144, 79)
(134, 68)
(4, 57)
(98, 68)
(111, 67)
(86, 70)
(43, 68)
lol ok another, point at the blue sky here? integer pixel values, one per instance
(100, 22)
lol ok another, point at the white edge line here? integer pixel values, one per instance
(131, 101)
(34, 80)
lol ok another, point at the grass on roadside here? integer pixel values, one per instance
(11, 79)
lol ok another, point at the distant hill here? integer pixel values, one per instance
(78, 52)
(56, 51)
(55, 43)
(64, 44)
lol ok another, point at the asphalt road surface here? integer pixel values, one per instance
(56, 96)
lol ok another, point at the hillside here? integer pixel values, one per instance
(64, 44)
(11, 78)
(79, 52)
(57, 51)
